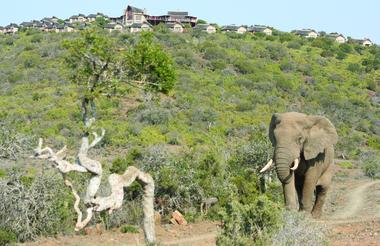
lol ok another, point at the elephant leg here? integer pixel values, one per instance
(290, 194)
(321, 192)
(310, 182)
(299, 180)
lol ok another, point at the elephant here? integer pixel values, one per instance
(304, 158)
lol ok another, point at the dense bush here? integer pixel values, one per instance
(371, 164)
(35, 206)
(13, 145)
(7, 237)
(298, 230)
(245, 224)
(147, 61)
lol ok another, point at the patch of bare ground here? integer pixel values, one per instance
(357, 233)
(353, 209)
(202, 234)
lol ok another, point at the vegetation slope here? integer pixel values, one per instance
(206, 138)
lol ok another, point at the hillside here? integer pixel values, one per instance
(206, 136)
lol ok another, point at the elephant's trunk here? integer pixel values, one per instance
(283, 159)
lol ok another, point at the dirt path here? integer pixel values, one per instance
(204, 239)
(353, 210)
(355, 201)
(202, 234)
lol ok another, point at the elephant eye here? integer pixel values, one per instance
(300, 139)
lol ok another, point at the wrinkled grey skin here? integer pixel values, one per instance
(311, 139)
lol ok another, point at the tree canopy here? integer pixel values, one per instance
(99, 63)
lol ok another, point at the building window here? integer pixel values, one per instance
(138, 18)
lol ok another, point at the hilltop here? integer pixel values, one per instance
(207, 138)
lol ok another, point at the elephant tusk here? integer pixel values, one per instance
(296, 162)
(267, 166)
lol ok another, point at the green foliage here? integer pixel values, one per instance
(35, 206)
(207, 137)
(161, 28)
(101, 22)
(148, 62)
(372, 62)
(119, 165)
(3, 173)
(345, 164)
(371, 165)
(129, 229)
(354, 67)
(13, 145)
(95, 62)
(200, 21)
(7, 237)
(374, 142)
(244, 224)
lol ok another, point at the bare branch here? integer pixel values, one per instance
(142, 82)
(80, 224)
(61, 153)
(117, 183)
(97, 138)
(62, 165)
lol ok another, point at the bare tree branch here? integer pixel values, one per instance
(62, 165)
(97, 138)
(117, 183)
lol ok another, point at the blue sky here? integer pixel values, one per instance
(357, 19)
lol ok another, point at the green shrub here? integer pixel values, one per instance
(371, 165)
(41, 207)
(218, 64)
(345, 164)
(354, 67)
(119, 165)
(294, 45)
(129, 229)
(341, 55)
(284, 83)
(213, 53)
(346, 48)
(154, 116)
(277, 52)
(13, 145)
(299, 230)
(245, 66)
(3, 173)
(160, 72)
(7, 237)
(327, 53)
(287, 66)
(245, 224)
(374, 142)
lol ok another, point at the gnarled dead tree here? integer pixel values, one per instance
(117, 183)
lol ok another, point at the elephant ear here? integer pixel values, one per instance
(321, 135)
(276, 119)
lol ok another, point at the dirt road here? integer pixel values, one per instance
(200, 234)
(353, 210)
